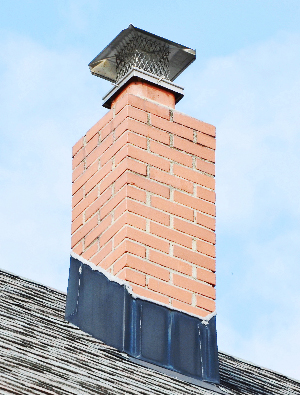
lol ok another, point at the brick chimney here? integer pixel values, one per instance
(142, 267)
(143, 205)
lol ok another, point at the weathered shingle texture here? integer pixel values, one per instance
(41, 353)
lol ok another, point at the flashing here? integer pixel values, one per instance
(105, 307)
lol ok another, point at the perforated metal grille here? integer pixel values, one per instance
(143, 53)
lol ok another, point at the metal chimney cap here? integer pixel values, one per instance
(136, 48)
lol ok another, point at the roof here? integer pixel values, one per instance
(41, 353)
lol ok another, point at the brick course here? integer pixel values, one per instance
(144, 202)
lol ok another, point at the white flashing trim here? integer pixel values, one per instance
(110, 277)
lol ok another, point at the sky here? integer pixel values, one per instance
(245, 81)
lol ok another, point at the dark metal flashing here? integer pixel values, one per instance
(141, 328)
(41, 353)
(179, 376)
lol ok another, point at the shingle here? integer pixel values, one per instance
(41, 353)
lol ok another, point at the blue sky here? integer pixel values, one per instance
(245, 80)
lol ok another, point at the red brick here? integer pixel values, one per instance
(172, 263)
(142, 182)
(122, 153)
(78, 249)
(171, 153)
(123, 105)
(77, 197)
(142, 129)
(77, 171)
(84, 230)
(170, 234)
(91, 145)
(145, 267)
(194, 149)
(98, 176)
(148, 268)
(126, 218)
(115, 122)
(195, 257)
(112, 202)
(108, 260)
(77, 223)
(205, 194)
(142, 237)
(104, 251)
(205, 303)
(94, 207)
(126, 246)
(137, 114)
(170, 290)
(97, 231)
(189, 309)
(206, 140)
(85, 203)
(99, 125)
(89, 252)
(146, 293)
(110, 152)
(206, 248)
(172, 208)
(194, 285)
(108, 233)
(204, 220)
(96, 154)
(78, 157)
(118, 264)
(172, 127)
(126, 164)
(77, 146)
(136, 139)
(120, 209)
(149, 106)
(194, 203)
(143, 156)
(135, 193)
(132, 276)
(168, 179)
(194, 176)
(120, 103)
(122, 141)
(84, 178)
(120, 116)
(134, 248)
(194, 230)
(194, 123)
(205, 166)
(147, 212)
(206, 276)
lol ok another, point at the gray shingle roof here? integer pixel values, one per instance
(41, 353)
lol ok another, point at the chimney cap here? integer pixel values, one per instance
(135, 48)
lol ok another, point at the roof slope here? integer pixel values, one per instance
(41, 353)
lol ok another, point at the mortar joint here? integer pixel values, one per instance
(195, 136)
